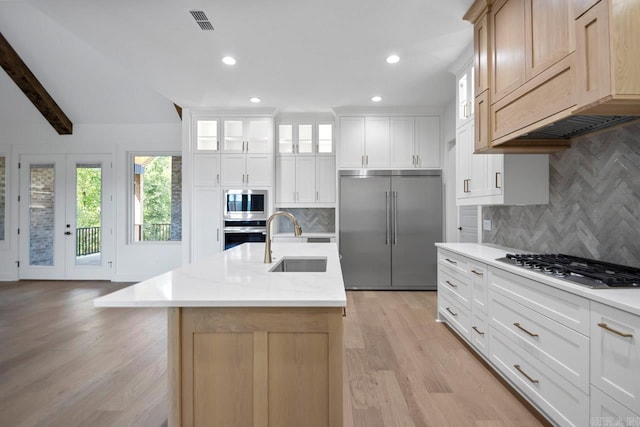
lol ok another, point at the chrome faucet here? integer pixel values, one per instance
(297, 231)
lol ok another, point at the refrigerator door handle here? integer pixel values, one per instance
(395, 217)
(388, 209)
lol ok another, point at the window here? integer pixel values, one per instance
(157, 198)
(3, 192)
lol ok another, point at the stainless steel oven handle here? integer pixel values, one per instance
(245, 230)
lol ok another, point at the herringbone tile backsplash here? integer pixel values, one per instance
(594, 203)
(312, 220)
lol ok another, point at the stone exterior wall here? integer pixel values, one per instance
(176, 198)
(594, 202)
(42, 215)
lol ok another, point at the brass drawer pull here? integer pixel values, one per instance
(517, 325)
(451, 261)
(476, 329)
(525, 374)
(449, 310)
(622, 334)
(450, 284)
(477, 273)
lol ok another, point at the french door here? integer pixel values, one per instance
(66, 217)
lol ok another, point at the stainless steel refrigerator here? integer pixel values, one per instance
(389, 222)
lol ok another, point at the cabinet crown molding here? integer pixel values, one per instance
(477, 9)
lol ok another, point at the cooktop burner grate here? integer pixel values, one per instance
(587, 272)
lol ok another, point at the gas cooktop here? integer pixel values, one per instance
(582, 271)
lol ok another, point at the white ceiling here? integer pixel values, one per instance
(112, 58)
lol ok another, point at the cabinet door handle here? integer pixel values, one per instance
(451, 261)
(413, 159)
(525, 374)
(362, 160)
(531, 334)
(218, 179)
(449, 310)
(217, 145)
(418, 160)
(218, 234)
(622, 334)
(450, 284)
(366, 160)
(476, 329)
(499, 183)
(477, 273)
(317, 196)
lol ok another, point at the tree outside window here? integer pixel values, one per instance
(157, 198)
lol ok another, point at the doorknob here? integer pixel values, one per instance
(67, 233)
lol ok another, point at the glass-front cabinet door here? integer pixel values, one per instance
(207, 135)
(259, 136)
(325, 139)
(285, 139)
(233, 136)
(305, 139)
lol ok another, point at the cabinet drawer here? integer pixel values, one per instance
(459, 286)
(560, 348)
(453, 262)
(562, 401)
(607, 412)
(565, 308)
(456, 315)
(479, 289)
(479, 332)
(615, 354)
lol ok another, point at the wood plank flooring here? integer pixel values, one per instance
(66, 363)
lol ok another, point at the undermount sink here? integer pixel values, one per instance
(300, 265)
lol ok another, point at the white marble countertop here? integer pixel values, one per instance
(627, 299)
(239, 278)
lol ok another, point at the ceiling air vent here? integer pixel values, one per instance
(201, 20)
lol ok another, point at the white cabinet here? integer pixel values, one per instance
(246, 170)
(605, 411)
(247, 135)
(206, 131)
(390, 142)
(305, 180)
(464, 95)
(206, 233)
(301, 136)
(206, 170)
(325, 179)
(615, 354)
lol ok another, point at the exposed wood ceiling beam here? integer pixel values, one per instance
(29, 84)
(178, 109)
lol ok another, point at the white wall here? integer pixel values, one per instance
(131, 262)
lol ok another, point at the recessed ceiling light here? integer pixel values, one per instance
(392, 59)
(229, 60)
(376, 98)
(255, 99)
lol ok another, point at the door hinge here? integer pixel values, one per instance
(18, 231)
(19, 165)
(18, 198)
(18, 264)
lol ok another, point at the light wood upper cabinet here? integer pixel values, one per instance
(507, 47)
(608, 63)
(481, 55)
(549, 33)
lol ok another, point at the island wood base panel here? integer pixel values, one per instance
(255, 367)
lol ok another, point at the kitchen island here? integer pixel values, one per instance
(247, 346)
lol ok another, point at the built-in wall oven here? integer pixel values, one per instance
(245, 216)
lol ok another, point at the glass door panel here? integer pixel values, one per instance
(207, 135)
(305, 139)
(233, 133)
(285, 139)
(88, 213)
(42, 215)
(325, 139)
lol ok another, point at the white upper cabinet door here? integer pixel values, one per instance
(325, 179)
(377, 142)
(427, 141)
(232, 170)
(305, 179)
(351, 142)
(464, 143)
(304, 139)
(206, 132)
(402, 142)
(206, 170)
(233, 136)
(325, 139)
(285, 139)
(206, 237)
(286, 179)
(495, 174)
(259, 136)
(259, 172)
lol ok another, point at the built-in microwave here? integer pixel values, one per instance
(242, 205)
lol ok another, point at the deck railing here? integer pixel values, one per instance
(88, 241)
(153, 232)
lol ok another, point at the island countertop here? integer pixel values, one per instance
(239, 278)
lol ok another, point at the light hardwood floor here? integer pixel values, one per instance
(65, 363)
